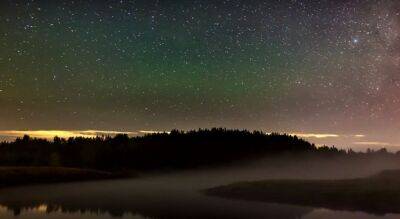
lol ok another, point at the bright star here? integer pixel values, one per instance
(355, 40)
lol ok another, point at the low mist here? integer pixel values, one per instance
(178, 194)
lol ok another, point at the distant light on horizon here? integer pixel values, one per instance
(375, 143)
(49, 134)
(315, 135)
(153, 132)
(343, 141)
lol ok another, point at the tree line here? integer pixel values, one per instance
(174, 150)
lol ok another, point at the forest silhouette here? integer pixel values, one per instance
(161, 151)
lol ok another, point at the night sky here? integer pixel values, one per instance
(315, 67)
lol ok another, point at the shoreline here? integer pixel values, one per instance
(21, 176)
(377, 194)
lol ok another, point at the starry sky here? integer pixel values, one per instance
(328, 70)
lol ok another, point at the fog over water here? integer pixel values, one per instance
(177, 195)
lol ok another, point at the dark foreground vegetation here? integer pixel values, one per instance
(151, 152)
(10, 176)
(378, 194)
(162, 151)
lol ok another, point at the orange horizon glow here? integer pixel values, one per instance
(48, 134)
(320, 139)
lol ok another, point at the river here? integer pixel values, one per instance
(173, 196)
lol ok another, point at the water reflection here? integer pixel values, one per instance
(148, 198)
(151, 209)
(274, 211)
(168, 196)
(57, 213)
(258, 211)
(144, 198)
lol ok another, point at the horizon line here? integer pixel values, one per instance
(92, 133)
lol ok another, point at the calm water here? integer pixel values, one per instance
(177, 195)
(148, 197)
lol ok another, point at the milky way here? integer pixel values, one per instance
(285, 66)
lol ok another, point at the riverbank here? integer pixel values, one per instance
(378, 194)
(12, 176)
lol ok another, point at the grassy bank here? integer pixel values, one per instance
(377, 194)
(10, 176)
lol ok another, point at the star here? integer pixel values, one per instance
(355, 40)
(252, 64)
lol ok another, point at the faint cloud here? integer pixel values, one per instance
(359, 136)
(152, 132)
(325, 135)
(315, 135)
(375, 143)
